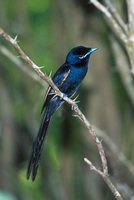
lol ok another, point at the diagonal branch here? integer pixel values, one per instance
(78, 112)
(115, 20)
(117, 17)
(105, 178)
(92, 132)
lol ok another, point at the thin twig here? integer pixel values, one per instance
(74, 105)
(105, 178)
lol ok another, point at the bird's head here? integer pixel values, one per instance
(79, 56)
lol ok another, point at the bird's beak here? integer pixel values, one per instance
(92, 50)
(88, 53)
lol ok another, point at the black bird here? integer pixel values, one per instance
(67, 78)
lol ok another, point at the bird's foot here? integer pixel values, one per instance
(74, 105)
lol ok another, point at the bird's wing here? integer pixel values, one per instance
(59, 77)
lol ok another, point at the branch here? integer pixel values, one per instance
(70, 101)
(130, 6)
(105, 178)
(117, 24)
(117, 17)
(124, 70)
(124, 32)
(115, 150)
(92, 132)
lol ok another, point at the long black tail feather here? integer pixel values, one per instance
(37, 147)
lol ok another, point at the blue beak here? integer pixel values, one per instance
(92, 50)
(88, 53)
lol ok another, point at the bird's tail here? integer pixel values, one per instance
(37, 147)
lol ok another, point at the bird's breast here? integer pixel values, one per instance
(77, 75)
(73, 80)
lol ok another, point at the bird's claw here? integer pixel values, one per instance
(74, 106)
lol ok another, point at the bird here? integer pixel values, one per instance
(67, 78)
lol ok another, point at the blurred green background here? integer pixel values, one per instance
(47, 30)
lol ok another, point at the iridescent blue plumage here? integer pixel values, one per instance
(67, 78)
